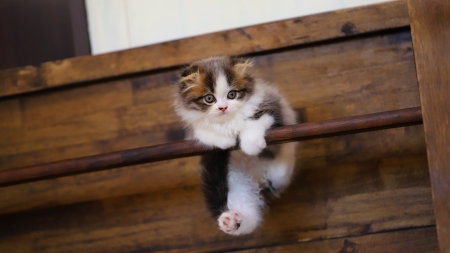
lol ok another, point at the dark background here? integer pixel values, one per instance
(36, 31)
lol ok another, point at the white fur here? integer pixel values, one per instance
(244, 202)
(246, 171)
(218, 129)
(280, 170)
(252, 134)
(221, 92)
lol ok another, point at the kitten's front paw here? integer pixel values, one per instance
(252, 143)
(229, 222)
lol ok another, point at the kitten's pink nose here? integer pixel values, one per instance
(223, 108)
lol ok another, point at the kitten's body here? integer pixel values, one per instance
(222, 106)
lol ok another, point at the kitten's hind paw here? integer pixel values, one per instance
(229, 222)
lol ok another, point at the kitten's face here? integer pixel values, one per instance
(218, 86)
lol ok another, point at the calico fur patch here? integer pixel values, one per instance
(200, 79)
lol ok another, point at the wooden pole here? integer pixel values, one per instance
(305, 131)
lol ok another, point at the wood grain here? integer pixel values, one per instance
(354, 187)
(245, 40)
(335, 79)
(422, 240)
(176, 219)
(431, 35)
(305, 131)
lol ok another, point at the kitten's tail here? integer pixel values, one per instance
(214, 176)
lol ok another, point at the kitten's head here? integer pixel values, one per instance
(216, 87)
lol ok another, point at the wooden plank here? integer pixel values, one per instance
(11, 114)
(353, 77)
(364, 82)
(431, 35)
(246, 40)
(305, 131)
(397, 159)
(319, 205)
(421, 240)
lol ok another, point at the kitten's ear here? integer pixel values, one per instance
(241, 65)
(190, 75)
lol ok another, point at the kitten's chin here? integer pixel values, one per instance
(222, 117)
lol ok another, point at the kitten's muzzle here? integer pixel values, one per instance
(223, 108)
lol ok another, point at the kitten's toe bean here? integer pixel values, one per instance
(229, 222)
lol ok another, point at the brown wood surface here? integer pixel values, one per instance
(430, 24)
(298, 132)
(351, 199)
(328, 81)
(345, 186)
(245, 40)
(421, 240)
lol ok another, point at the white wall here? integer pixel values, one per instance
(122, 24)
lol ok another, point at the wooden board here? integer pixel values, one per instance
(137, 112)
(347, 200)
(431, 35)
(421, 240)
(368, 184)
(245, 40)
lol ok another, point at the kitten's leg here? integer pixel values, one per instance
(211, 138)
(245, 205)
(280, 171)
(214, 176)
(252, 135)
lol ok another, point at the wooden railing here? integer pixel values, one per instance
(305, 131)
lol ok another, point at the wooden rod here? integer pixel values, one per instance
(304, 131)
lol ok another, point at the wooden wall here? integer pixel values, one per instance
(367, 192)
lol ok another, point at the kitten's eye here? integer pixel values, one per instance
(231, 94)
(209, 99)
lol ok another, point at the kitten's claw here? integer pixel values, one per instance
(229, 222)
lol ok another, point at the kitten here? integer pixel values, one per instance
(223, 105)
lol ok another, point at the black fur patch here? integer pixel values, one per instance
(214, 175)
(267, 154)
(229, 75)
(241, 94)
(270, 152)
(270, 105)
(210, 81)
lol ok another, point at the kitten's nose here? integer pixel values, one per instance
(223, 108)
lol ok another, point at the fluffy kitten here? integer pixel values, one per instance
(223, 105)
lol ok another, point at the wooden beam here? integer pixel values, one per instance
(430, 27)
(415, 240)
(305, 131)
(247, 40)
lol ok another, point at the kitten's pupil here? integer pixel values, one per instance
(231, 94)
(209, 99)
